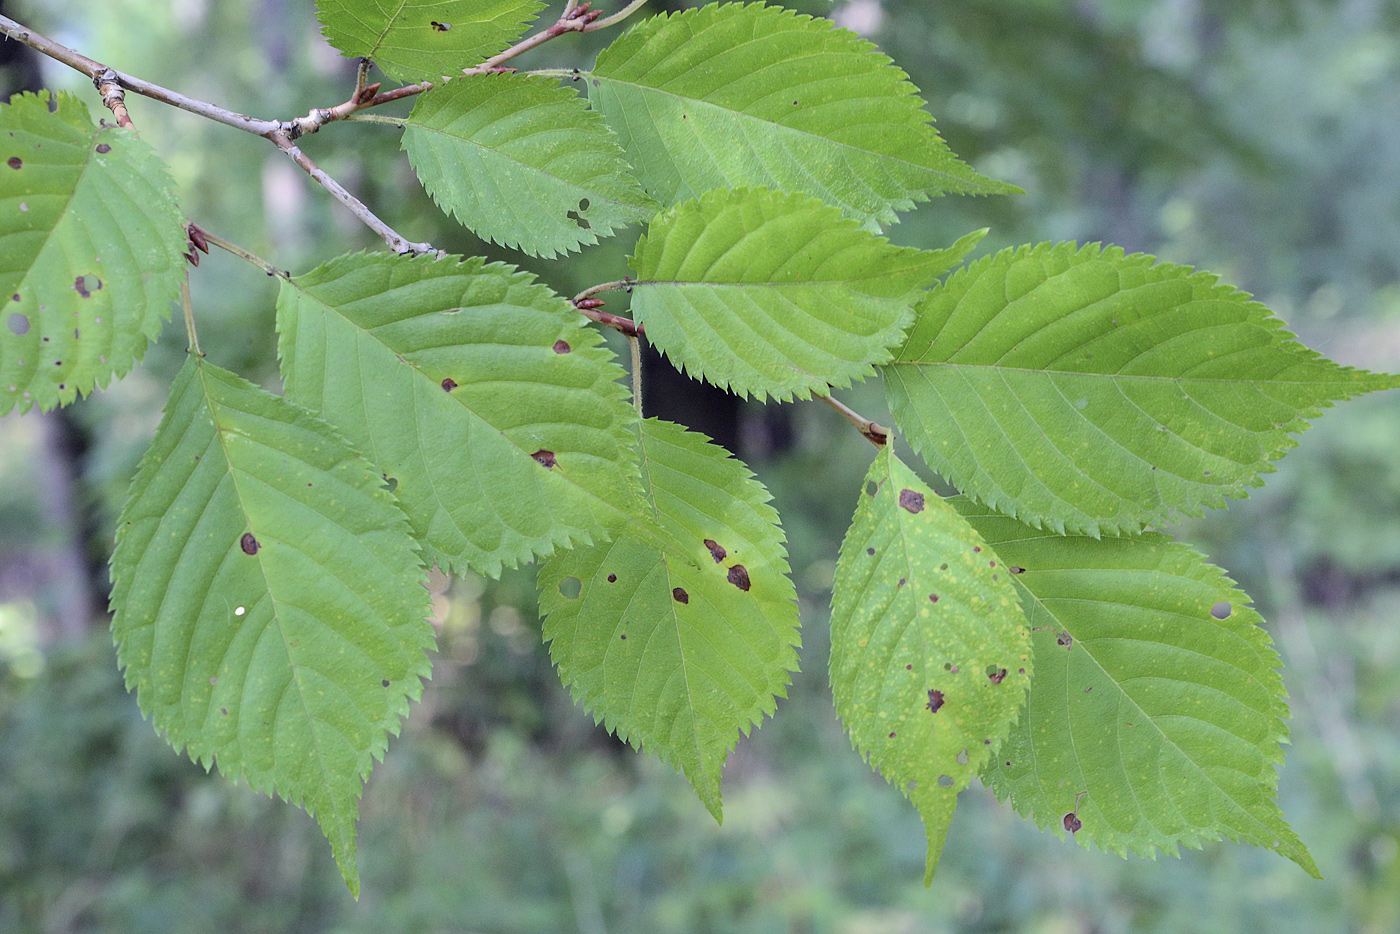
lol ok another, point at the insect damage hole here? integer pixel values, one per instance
(945, 781)
(18, 324)
(544, 457)
(570, 588)
(1222, 610)
(996, 675)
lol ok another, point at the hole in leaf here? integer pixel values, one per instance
(81, 287)
(871, 488)
(901, 583)
(870, 551)
(943, 566)
(1072, 822)
(680, 596)
(583, 204)
(739, 577)
(623, 637)
(544, 457)
(945, 781)
(911, 500)
(1015, 570)
(449, 384)
(1222, 610)
(390, 483)
(996, 675)
(612, 578)
(962, 758)
(570, 588)
(562, 346)
(385, 682)
(716, 550)
(249, 544)
(18, 323)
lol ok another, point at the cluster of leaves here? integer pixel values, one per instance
(269, 608)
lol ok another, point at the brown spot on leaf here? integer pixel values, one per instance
(977, 549)
(249, 544)
(103, 148)
(562, 346)
(716, 550)
(14, 162)
(908, 667)
(997, 676)
(80, 286)
(449, 384)
(544, 457)
(935, 701)
(739, 577)
(911, 500)
(680, 596)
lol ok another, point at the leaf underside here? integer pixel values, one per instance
(775, 294)
(269, 603)
(406, 38)
(1157, 703)
(487, 399)
(523, 162)
(680, 634)
(90, 253)
(930, 653)
(731, 95)
(1084, 390)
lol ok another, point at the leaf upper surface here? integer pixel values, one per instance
(930, 653)
(769, 293)
(406, 40)
(1085, 390)
(268, 598)
(1156, 696)
(524, 162)
(681, 636)
(746, 94)
(90, 253)
(481, 392)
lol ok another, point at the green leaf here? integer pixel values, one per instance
(1158, 716)
(776, 294)
(407, 38)
(524, 162)
(680, 633)
(930, 654)
(90, 251)
(1082, 389)
(483, 394)
(269, 603)
(734, 94)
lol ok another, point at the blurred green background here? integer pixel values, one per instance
(1257, 138)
